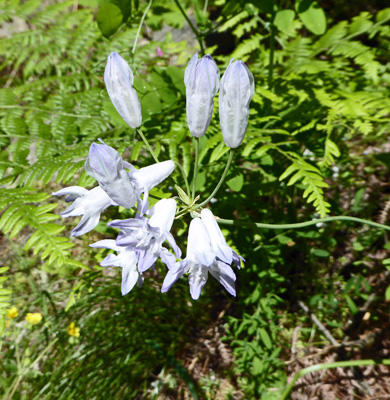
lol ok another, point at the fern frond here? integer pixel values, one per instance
(21, 211)
(244, 49)
(232, 22)
(308, 175)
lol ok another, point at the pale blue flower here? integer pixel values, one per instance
(117, 186)
(88, 203)
(236, 92)
(119, 79)
(145, 236)
(125, 259)
(201, 79)
(207, 252)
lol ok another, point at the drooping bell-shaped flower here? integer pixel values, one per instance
(89, 203)
(106, 165)
(207, 251)
(146, 236)
(236, 92)
(201, 79)
(119, 79)
(126, 259)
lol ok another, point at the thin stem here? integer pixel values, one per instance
(195, 167)
(147, 145)
(184, 177)
(338, 364)
(271, 56)
(206, 3)
(219, 183)
(302, 224)
(196, 33)
(140, 26)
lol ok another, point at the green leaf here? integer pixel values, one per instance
(257, 366)
(311, 15)
(351, 304)
(236, 183)
(284, 19)
(383, 15)
(387, 293)
(265, 338)
(320, 253)
(109, 19)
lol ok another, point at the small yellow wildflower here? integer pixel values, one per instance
(33, 318)
(12, 312)
(73, 331)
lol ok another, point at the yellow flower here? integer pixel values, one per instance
(73, 331)
(12, 312)
(33, 318)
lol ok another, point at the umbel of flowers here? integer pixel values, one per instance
(143, 240)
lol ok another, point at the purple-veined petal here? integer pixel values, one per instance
(197, 278)
(130, 275)
(224, 274)
(148, 177)
(172, 242)
(162, 214)
(73, 193)
(167, 258)
(87, 223)
(199, 245)
(174, 273)
(223, 251)
(106, 165)
(107, 244)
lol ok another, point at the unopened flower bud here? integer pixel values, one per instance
(237, 90)
(119, 82)
(106, 165)
(202, 82)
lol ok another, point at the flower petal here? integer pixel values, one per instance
(199, 247)
(107, 244)
(174, 273)
(106, 165)
(148, 177)
(224, 274)
(197, 279)
(223, 251)
(73, 191)
(162, 214)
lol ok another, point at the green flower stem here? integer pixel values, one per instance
(147, 145)
(195, 167)
(184, 177)
(302, 224)
(196, 33)
(140, 27)
(219, 183)
(338, 364)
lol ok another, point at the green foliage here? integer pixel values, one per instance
(321, 100)
(5, 297)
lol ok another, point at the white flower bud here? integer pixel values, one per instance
(119, 82)
(237, 90)
(202, 82)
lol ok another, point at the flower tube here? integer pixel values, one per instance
(201, 79)
(237, 90)
(119, 79)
